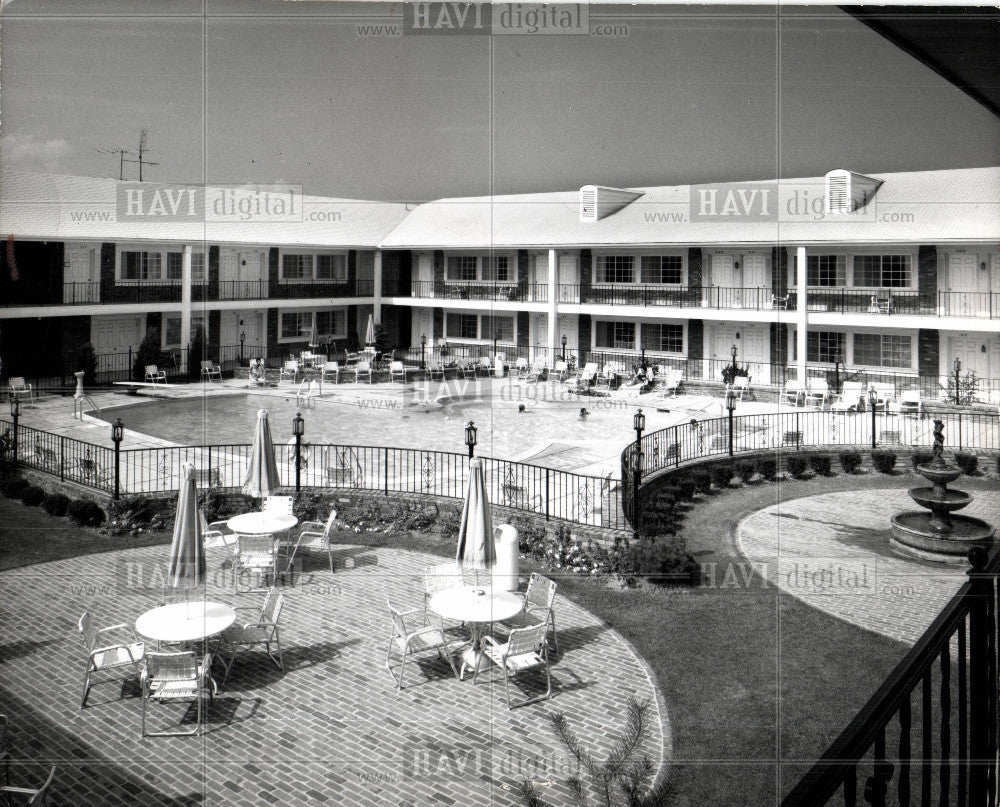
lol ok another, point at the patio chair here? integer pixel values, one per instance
(780, 303)
(261, 631)
(521, 368)
(793, 393)
(880, 304)
(466, 368)
(154, 374)
(435, 370)
(407, 641)
(330, 368)
(363, 369)
(538, 607)
(524, 650)
(588, 375)
(606, 377)
(741, 386)
(290, 369)
(216, 533)
(210, 370)
(254, 556)
(30, 796)
(484, 365)
(440, 578)
(106, 654)
(279, 505)
(315, 535)
(397, 370)
(304, 394)
(818, 392)
(850, 399)
(19, 388)
(561, 370)
(539, 370)
(910, 403)
(176, 676)
(671, 384)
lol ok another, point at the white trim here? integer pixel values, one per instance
(314, 254)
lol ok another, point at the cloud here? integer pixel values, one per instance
(30, 153)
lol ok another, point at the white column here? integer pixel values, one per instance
(377, 278)
(553, 313)
(185, 305)
(801, 314)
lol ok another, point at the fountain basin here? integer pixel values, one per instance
(914, 533)
(943, 500)
(939, 474)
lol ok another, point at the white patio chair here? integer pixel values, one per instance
(539, 370)
(850, 399)
(263, 630)
(210, 370)
(561, 370)
(290, 369)
(484, 365)
(315, 535)
(670, 384)
(254, 560)
(177, 676)
(741, 386)
(539, 600)
(363, 369)
(441, 578)
(19, 388)
(435, 370)
(29, 796)
(588, 375)
(606, 377)
(107, 655)
(524, 650)
(910, 403)
(818, 392)
(154, 374)
(521, 369)
(408, 641)
(397, 370)
(330, 368)
(794, 393)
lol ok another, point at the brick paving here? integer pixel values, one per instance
(832, 552)
(330, 728)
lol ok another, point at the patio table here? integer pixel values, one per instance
(479, 606)
(185, 622)
(260, 523)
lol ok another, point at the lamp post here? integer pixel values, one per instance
(837, 360)
(563, 347)
(117, 435)
(958, 370)
(731, 406)
(470, 438)
(298, 429)
(733, 351)
(496, 336)
(243, 338)
(872, 397)
(423, 347)
(639, 424)
(15, 413)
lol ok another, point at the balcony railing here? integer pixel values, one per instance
(482, 292)
(244, 289)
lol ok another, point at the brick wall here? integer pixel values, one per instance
(584, 326)
(438, 323)
(523, 330)
(927, 280)
(586, 270)
(694, 269)
(696, 346)
(352, 269)
(779, 271)
(928, 352)
(438, 273)
(213, 278)
(523, 275)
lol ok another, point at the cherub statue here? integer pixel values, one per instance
(938, 449)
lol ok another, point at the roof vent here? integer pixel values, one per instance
(847, 191)
(597, 202)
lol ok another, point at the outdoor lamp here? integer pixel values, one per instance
(15, 406)
(564, 340)
(733, 351)
(117, 431)
(730, 400)
(423, 341)
(731, 406)
(872, 397)
(958, 365)
(470, 437)
(639, 424)
(298, 425)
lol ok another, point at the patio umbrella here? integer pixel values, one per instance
(262, 475)
(476, 547)
(370, 331)
(187, 550)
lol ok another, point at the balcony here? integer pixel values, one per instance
(481, 292)
(302, 289)
(719, 297)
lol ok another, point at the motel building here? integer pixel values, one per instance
(893, 276)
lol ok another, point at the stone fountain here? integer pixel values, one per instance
(938, 535)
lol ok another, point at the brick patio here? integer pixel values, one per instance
(331, 728)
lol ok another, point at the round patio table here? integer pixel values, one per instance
(479, 606)
(185, 621)
(259, 523)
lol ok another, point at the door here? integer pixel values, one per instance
(80, 281)
(228, 275)
(568, 278)
(113, 337)
(969, 349)
(727, 282)
(756, 281)
(963, 299)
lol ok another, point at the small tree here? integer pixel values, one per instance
(382, 339)
(82, 357)
(148, 353)
(196, 352)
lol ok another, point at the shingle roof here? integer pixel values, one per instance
(43, 206)
(912, 207)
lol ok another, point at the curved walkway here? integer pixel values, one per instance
(832, 552)
(330, 728)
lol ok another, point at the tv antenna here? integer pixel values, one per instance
(142, 150)
(121, 159)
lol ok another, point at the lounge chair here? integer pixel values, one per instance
(910, 403)
(561, 370)
(793, 393)
(521, 367)
(587, 376)
(104, 654)
(29, 796)
(484, 365)
(409, 640)
(176, 676)
(539, 370)
(435, 370)
(305, 392)
(818, 392)
(263, 630)
(290, 369)
(851, 397)
(210, 370)
(670, 383)
(154, 374)
(363, 369)
(397, 370)
(19, 388)
(607, 376)
(524, 650)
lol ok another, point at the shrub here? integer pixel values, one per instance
(663, 561)
(722, 475)
(55, 504)
(998, 463)
(82, 357)
(196, 353)
(969, 463)
(702, 481)
(821, 464)
(659, 512)
(884, 460)
(218, 505)
(148, 353)
(745, 470)
(686, 487)
(919, 458)
(13, 486)
(797, 465)
(32, 495)
(86, 513)
(850, 461)
(767, 467)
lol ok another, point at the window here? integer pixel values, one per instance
(497, 269)
(296, 267)
(175, 266)
(826, 347)
(883, 350)
(296, 324)
(462, 326)
(502, 328)
(615, 269)
(172, 329)
(140, 266)
(331, 267)
(826, 270)
(663, 269)
(615, 335)
(663, 338)
(885, 271)
(463, 267)
(331, 323)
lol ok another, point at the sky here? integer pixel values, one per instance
(235, 91)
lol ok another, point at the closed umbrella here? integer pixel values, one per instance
(262, 475)
(370, 331)
(476, 547)
(187, 550)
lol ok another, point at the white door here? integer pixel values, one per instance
(228, 274)
(755, 277)
(727, 281)
(568, 278)
(112, 338)
(80, 278)
(968, 348)
(963, 285)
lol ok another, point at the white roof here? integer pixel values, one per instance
(66, 208)
(913, 208)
